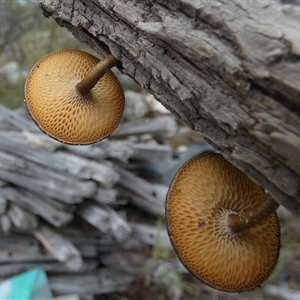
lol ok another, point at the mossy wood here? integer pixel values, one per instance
(229, 69)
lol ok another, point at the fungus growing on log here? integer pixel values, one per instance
(222, 225)
(73, 97)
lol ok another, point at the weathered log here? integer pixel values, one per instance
(9, 120)
(146, 203)
(5, 223)
(38, 204)
(118, 225)
(282, 292)
(59, 246)
(103, 281)
(11, 269)
(62, 161)
(106, 196)
(95, 215)
(150, 235)
(162, 126)
(130, 262)
(22, 248)
(148, 194)
(22, 219)
(104, 218)
(152, 151)
(3, 204)
(49, 182)
(229, 69)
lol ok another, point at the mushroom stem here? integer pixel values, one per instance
(94, 75)
(251, 217)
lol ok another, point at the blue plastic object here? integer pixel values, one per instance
(30, 285)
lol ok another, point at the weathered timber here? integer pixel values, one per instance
(9, 120)
(22, 219)
(148, 203)
(62, 161)
(11, 269)
(149, 194)
(38, 204)
(52, 183)
(95, 215)
(122, 150)
(3, 204)
(103, 281)
(104, 218)
(22, 248)
(161, 126)
(106, 196)
(130, 262)
(5, 223)
(152, 151)
(229, 69)
(151, 235)
(87, 194)
(59, 246)
(118, 225)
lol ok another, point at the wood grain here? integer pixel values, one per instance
(229, 69)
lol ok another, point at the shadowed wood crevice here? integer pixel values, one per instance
(230, 70)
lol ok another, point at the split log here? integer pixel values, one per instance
(229, 69)
(59, 246)
(61, 161)
(103, 281)
(282, 292)
(95, 215)
(118, 225)
(10, 269)
(22, 219)
(9, 120)
(3, 204)
(105, 218)
(49, 182)
(149, 196)
(150, 235)
(37, 204)
(162, 126)
(106, 196)
(22, 248)
(5, 223)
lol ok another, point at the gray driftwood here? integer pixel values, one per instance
(143, 194)
(84, 192)
(229, 69)
(22, 219)
(38, 204)
(103, 281)
(59, 246)
(22, 248)
(11, 269)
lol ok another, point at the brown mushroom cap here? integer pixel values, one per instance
(60, 111)
(203, 192)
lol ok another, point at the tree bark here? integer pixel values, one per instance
(229, 69)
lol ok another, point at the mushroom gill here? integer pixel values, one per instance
(202, 196)
(59, 108)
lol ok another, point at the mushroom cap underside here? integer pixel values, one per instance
(60, 111)
(203, 192)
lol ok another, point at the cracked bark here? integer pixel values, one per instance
(229, 69)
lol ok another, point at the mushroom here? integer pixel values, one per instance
(222, 225)
(73, 97)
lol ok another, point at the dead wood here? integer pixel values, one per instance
(229, 69)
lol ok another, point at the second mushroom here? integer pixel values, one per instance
(222, 225)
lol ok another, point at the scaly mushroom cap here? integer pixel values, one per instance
(60, 111)
(203, 192)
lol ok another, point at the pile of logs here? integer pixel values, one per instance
(85, 214)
